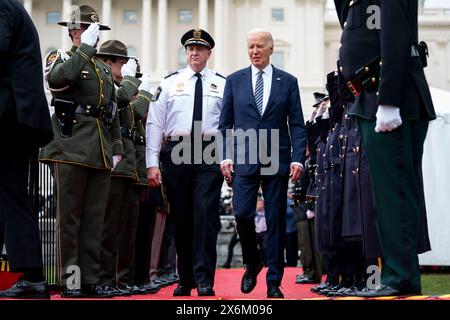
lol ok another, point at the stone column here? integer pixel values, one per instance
(145, 57)
(161, 57)
(203, 14)
(66, 44)
(105, 19)
(221, 8)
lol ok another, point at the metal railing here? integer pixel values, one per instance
(44, 206)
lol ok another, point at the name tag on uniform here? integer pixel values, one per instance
(214, 88)
(180, 86)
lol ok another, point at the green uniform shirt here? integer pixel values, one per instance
(140, 110)
(86, 80)
(126, 168)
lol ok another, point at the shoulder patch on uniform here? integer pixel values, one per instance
(51, 57)
(156, 95)
(218, 74)
(171, 75)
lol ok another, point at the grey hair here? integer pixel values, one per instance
(261, 30)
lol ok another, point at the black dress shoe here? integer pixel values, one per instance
(321, 286)
(383, 291)
(205, 291)
(72, 293)
(138, 290)
(305, 280)
(96, 291)
(248, 282)
(273, 291)
(23, 289)
(182, 291)
(151, 287)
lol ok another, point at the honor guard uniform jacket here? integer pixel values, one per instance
(387, 30)
(171, 114)
(78, 76)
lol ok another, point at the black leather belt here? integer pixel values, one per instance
(176, 139)
(89, 110)
(133, 135)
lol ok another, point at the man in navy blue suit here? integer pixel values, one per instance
(262, 109)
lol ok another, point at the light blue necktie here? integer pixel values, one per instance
(259, 92)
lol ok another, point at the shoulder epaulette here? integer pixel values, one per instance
(171, 75)
(218, 74)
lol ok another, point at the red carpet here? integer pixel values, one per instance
(227, 287)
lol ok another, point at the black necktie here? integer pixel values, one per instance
(198, 99)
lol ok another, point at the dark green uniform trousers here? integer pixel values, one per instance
(309, 257)
(125, 265)
(82, 196)
(395, 164)
(115, 217)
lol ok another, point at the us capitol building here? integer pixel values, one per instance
(306, 34)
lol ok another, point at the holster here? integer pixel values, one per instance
(110, 112)
(65, 112)
(422, 48)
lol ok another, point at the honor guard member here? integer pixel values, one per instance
(188, 109)
(86, 146)
(115, 54)
(117, 231)
(382, 63)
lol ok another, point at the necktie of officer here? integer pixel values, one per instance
(198, 99)
(259, 92)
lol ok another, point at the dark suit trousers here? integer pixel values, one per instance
(245, 190)
(395, 164)
(193, 192)
(18, 222)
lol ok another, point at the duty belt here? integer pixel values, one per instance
(89, 110)
(133, 135)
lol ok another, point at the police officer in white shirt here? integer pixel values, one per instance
(181, 126)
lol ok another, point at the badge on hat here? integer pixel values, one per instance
(197, 34)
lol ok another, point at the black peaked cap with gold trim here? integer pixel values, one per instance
(197, 37)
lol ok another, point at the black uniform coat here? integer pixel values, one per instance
(402, 79)
(404, 84)
(21, 73)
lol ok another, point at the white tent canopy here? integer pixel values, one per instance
(436, 178)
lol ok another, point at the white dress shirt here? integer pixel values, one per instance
(267, 78)
(171, 114)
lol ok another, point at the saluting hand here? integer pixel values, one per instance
(146, 83)
(91, 35)
(129, 68)
(154, 177)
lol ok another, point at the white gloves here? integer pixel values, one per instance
(129, 68)
(326, 114)
(388, 118)
(310, 214)
(116, 160)
(145, 84)
(91, 34)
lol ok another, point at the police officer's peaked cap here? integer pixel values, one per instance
(113, 48)
(319, 97)
(83, 15)
(197, 37)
